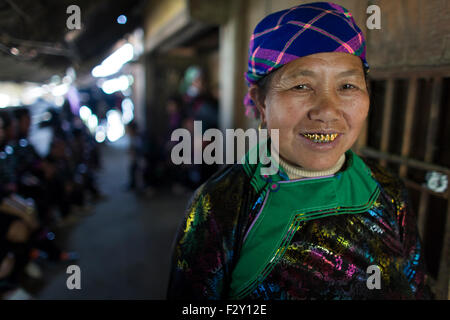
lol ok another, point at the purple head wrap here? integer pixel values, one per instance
(311, 28)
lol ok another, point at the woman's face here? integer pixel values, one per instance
(311, 97)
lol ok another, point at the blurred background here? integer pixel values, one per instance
(90, 92)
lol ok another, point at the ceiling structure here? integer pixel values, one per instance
(36, 44)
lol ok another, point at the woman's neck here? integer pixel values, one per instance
(296, 172)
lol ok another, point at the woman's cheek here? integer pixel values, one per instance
(283, 119)
(284, 110)
(275, 114)
(359, 110)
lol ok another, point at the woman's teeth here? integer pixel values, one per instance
(320, 138)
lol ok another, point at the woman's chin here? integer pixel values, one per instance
(317, 164)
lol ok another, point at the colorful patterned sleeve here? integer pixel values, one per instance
(414, 267)
(208, 241)
(197, 270)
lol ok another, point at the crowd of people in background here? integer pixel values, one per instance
(41, 193)
(151, 165)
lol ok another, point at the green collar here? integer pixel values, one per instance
(255, 160)
(290, 203)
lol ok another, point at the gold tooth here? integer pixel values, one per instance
(321, 137)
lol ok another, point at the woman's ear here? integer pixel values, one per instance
(255, 94)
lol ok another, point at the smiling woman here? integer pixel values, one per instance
(312, 97)
(316, 228)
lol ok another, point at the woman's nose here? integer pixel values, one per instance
(325, 110)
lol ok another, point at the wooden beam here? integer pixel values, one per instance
(429, 149)
(372, 153)
(387, 116)
(442, 284)
(433, 119)
(416, 186)
(409, 121)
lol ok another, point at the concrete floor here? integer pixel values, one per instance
(124, 245)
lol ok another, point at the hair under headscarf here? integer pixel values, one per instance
(311, 28)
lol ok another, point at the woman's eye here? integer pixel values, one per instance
(348, 86)
(301, 87)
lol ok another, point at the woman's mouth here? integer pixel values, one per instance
(321, 137)
(320, 141)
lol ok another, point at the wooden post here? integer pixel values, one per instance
(387, 116)
(429, 148)
(407, 132)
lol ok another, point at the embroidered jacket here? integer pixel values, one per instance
(327, 257)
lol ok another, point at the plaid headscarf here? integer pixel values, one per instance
(286, 35)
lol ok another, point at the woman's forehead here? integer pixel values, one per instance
(309, 66)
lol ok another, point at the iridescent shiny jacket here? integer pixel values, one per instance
(331, 257)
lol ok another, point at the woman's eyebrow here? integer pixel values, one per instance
(352, 72)
(310, 73)
(300, 73)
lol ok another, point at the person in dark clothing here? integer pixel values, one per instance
(137, 162)
(199, 105)
(18, 219)
(29, 167)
